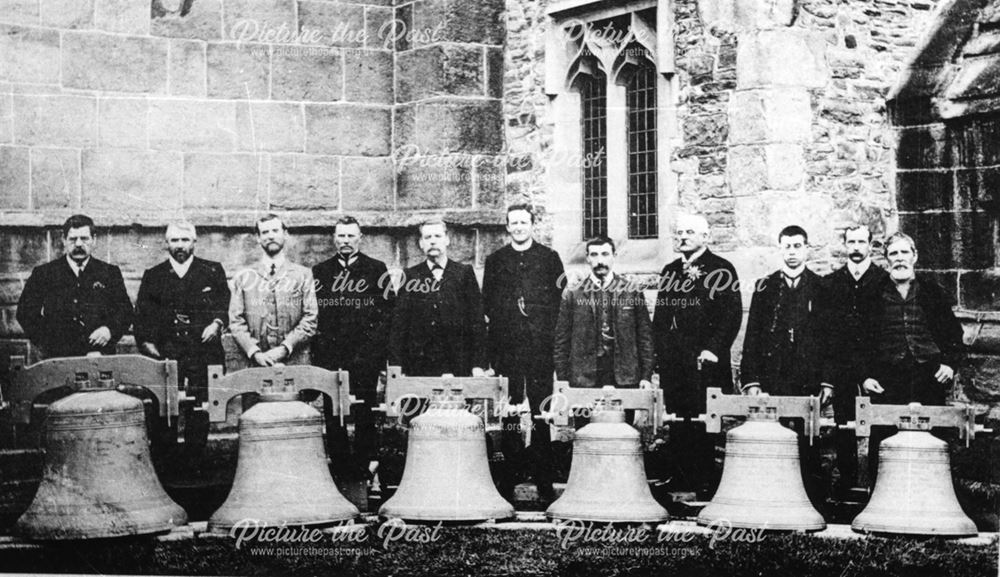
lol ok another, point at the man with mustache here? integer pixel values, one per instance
(918, 339)
(438, 324)
(853, 294)
(603, 335)
(75, 304)
(355, 303)
(273, 310)
(696, 319)
(182, 309)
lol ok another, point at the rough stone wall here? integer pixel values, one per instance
(528, 126)
(140, 111)
(705, 58)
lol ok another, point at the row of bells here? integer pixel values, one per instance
(99, 480)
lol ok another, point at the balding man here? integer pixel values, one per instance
(697, 316)
(182, 309)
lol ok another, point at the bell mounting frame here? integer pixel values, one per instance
(276, 381)
(124, 373)
(718, 405)
(566, 400)
(399, 387)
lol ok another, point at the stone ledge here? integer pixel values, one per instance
(245, 218)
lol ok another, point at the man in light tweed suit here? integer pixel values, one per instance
(273, 309)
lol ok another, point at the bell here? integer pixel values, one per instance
(761, 485)
(281, 471)
(607, 478)
(914, 494)
(447, 475)
(98, 480)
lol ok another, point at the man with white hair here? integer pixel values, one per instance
(697, 316)
(918, 338)
(182, 309)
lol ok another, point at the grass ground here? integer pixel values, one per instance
(466, 551)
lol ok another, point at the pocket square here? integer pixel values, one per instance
(206, 289)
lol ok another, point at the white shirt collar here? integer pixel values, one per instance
(694, 256)
(181, 269)
(349, 260)
(77, 268)
(444, 263)
(277, 261)
(793, 272)
(523, 247)
(858, 270)
(607, 280)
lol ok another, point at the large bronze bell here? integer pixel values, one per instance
(99, 480)
(914, 494)
(281, 471)
(607, 478)
(447, 476)
(761, 485)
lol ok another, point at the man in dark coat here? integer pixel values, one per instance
(853, 293)
(919, 339)
(697, 316)
(75, 304)
(603, 336)
(783, 349)
(355, 299)
(521, 292)
(182, 308)
(438, 325)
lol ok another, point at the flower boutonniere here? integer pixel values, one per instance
(693, 272)
(98, 285)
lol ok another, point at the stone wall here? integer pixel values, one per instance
(141, 111)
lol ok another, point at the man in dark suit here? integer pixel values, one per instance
(603, 336)
(697, 316)
(919, 340)
(783, 350)
(853, 293)
(521, 291)
(355, 299)
(75, 304)
(783, 347)
(182, 308)
(438, 325)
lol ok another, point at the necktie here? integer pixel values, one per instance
(273, 269)
(437, 271)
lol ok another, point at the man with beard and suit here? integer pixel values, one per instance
(438, 325)
(697, 316)
(182, 308)
(75, 304)
(783, 347)
(603, 335)
(355, 302)
(917, 337)
(521, 293)
(273, 310)
(852, 293)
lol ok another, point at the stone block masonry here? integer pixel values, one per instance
(139, 112)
